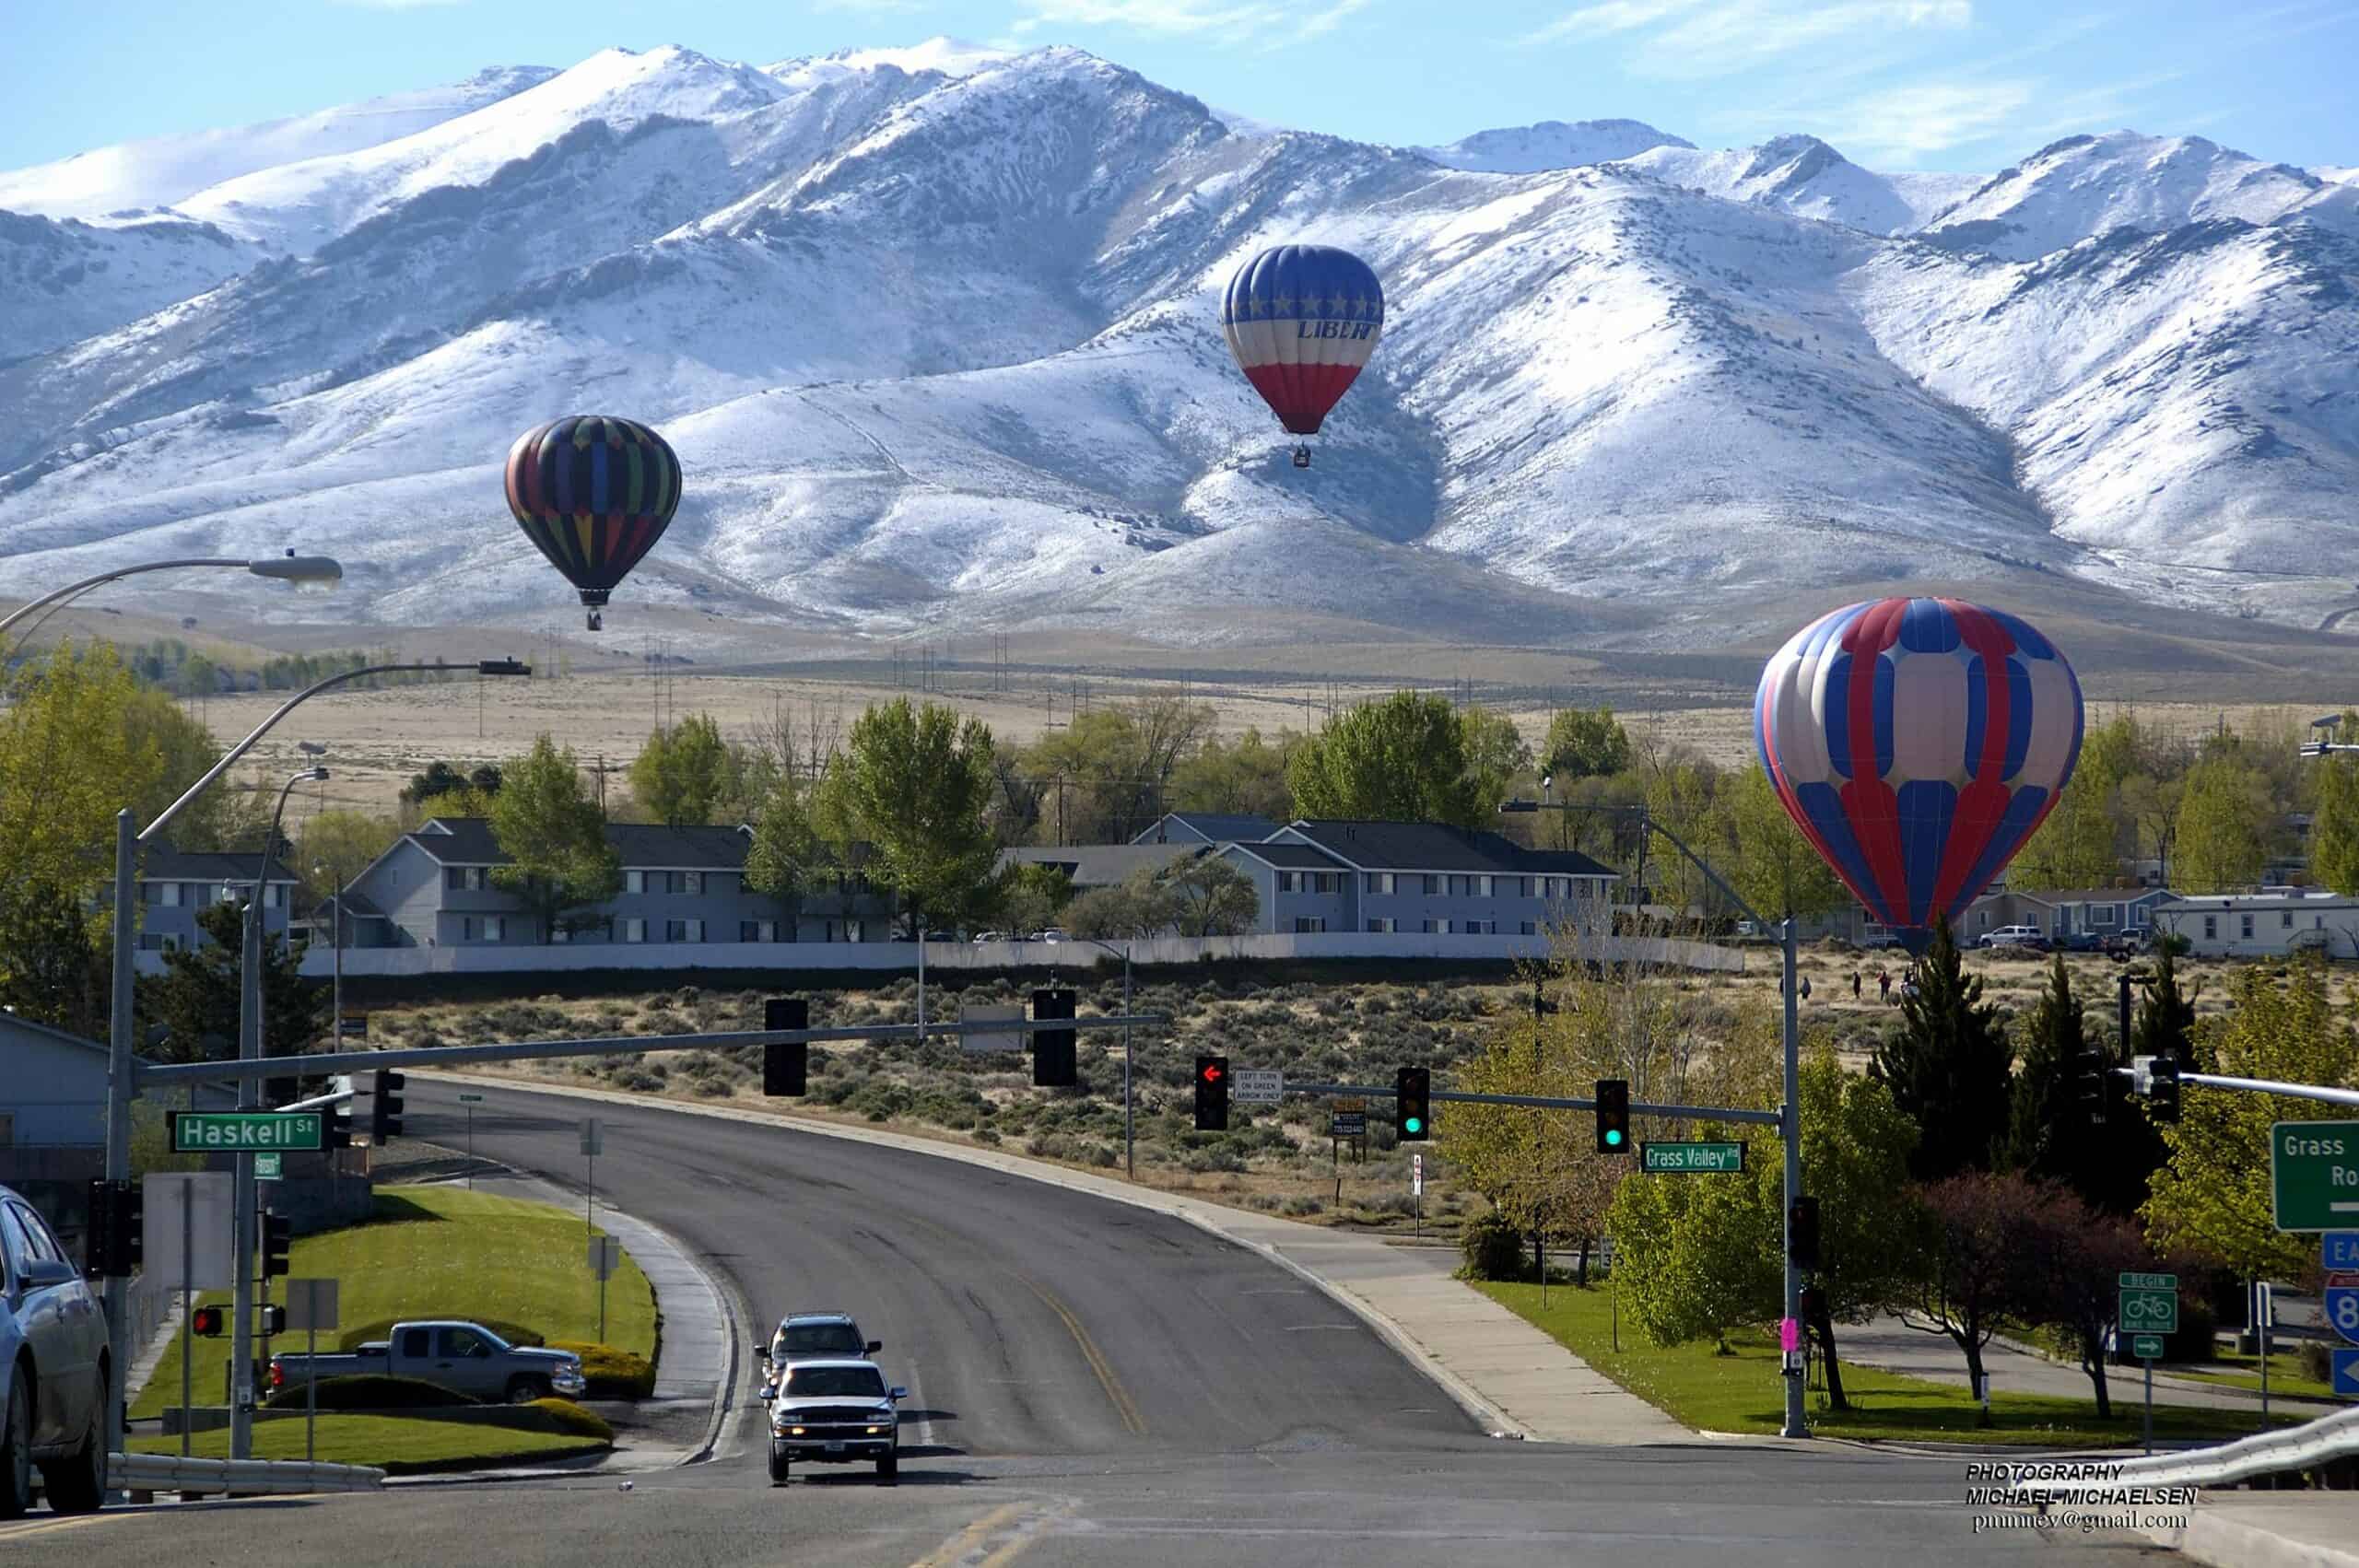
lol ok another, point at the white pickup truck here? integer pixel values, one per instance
(465, 1357)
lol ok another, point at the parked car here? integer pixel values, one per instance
(2129, 942)
(810, 1336)
(53, 1369)
(466, 1357)
(2015, 936)
(1052, 933)
(982, 937)
(2081, 942)
(835, 1412)
(1880, 943)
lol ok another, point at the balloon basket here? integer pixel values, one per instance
(1302, 457)
(597, 620)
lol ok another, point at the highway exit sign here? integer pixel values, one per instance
(212, 1132)
(2314, 1175)
(1715, 1157)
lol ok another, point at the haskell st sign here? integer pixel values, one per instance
(1727, 1157)
(2314, 1175)
(207, 1132)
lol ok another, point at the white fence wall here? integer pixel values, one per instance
(902, 957)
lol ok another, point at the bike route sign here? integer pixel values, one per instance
(2149, 1303)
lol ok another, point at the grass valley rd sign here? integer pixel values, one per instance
(1728, 1158)
(209, 1132)
(2314, 1175)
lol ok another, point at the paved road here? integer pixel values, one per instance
(1093, 1384)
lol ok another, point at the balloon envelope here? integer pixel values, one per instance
(1302, 320)
(1918, 743)
(593, 493)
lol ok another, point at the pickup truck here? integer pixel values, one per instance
(465, 1357)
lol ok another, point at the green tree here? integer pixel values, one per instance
(915, 784)
(680, 775)
(1495, 752)
(1774, 866)
(2224, 811)
(1404, 759)
(1949, 1065)
(1683, 797)
(1137, 907)
(2104, 1153)
(337, 846)
(196, 998)
(1033, 897)
(1693, 1259)
(1246, 777)
(2334, 818)
(53, 968)
(1112, 771)
(2079, 845)
(218, 819)
(2150, 808)
(2164, 1024)
(68, 762)
(788, 861)
(1211, 898)
(2213, 1199)
(553, 836)
(1584, 743)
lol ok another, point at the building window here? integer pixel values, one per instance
(1379, 881)
(684, 931)
(1289, 882)
(1382, 926)
(2104, 914)
(634, 882)
(1482, 886)
(2245, 926)
(634, 930)
(494, 927)
(750, 930)
(158, 942)
(692, 881)
(1306, 925)
(2286, 919)
(2211, 927)
(1434, 928)
(854, 931)
(454, 878)
(1528, 931)
(1433, 886)
(167, 893)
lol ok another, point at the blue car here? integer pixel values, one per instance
(53, 1369)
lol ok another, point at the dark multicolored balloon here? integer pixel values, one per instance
(1918, 743)
(593, 494)
(1302, 320)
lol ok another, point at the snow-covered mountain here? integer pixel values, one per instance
(933, 331)
(1551, 144)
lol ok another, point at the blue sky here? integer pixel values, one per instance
(1903, 84)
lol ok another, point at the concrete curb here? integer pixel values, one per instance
(2217, 1536)
(1204, 1215)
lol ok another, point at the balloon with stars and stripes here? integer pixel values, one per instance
(1918, 743)
(1302, 320)
(593, 493)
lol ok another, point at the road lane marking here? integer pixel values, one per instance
(1028, 1531)
(1097, 1360)
(959, 1548)
(24, 1532)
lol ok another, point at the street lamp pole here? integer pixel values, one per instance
(1129, 1134)
(120, 1088)
(289, 568)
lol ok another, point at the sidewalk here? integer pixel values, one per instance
(2270, 1530)
(1508, 1375)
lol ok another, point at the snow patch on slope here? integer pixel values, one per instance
(1804, 176)
(1551, 144)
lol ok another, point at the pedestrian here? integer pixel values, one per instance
(1855, 985)
(1805, 988)
(1884, 987)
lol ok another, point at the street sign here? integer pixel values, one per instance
(995, 1039)
(2341, 1304)
(1257, 1087)
(2346, 1373)
(206, 1133)
(266, 1167)
(2150, 1311)
(1351, 1102)
(605, 1256)
(353, 1027)
(194, 1205)
(310, 1304)
(1348, 1124)
(1416, 1176)
(1729, 1157)
(470, 1099)
(593, 1137)
(2313, 1173)
(2340, 1249)
(2135, 1281)
(2147, 1347)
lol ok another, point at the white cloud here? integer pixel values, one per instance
(1326, 22)
(1729, 39)
(1610, 16)
(1236, 21)
(1902, 125)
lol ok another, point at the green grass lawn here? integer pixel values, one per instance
(1742, 1391)
(462, 1438)
(2231, 1370)
(444, 1252)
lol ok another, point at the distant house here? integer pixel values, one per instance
(175, 886)
(1205, 828)
(1105, 865)
(2268, 924)
(1424, 877)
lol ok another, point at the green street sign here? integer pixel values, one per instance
(212, 1132)
(2150, 1311)
(1713, 1157)
(2314, 1175)
(266, 1167)
(2131, 1281)
(2147, 1347)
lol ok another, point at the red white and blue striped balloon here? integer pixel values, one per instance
(1918, 743)
(1302, 320)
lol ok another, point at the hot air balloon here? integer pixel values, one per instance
(1918, 743)
(593, 493)
(1302, 320)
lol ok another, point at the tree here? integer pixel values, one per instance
(2334, 819)
(2222, 811)
(53, 969)
(1495, 752)
(1969, 1274)
(1137, 907)
(439, 780)
(2213, 1199)
(2104, 1153)
(553, 836)
(2164, 1024)
(788, 860)
(1682, 799)
(185, 749)
(914, 784)
(1110, 771)
(68, 762)
(1210, 897)
(1774, 866)
(196, 997)
(1033, 897)
(1245, 778)
(1584, 743)
(680, 775)
(337, 846)
(2071, 1259)
(2078, 845)
(2150, 804)
(1949, 1065)
(1403, 759)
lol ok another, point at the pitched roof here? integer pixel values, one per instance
(468, 841)
(1217, 827)
(159, 861)
(1291, 857)
(1437, 847)
(1102, 865)
(2090, 895)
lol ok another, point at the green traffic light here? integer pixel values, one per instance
(1614, 1135)
(1415, 1124)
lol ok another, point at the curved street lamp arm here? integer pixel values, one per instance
(87, 583)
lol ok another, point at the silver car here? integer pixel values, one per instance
(53, 1369)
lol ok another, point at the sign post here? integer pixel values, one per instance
(185, 1235)
(593, 1138)
(2149, 1310)
(311, 1307)
(605, 1256)
(469, 1102)
(2314, 1175)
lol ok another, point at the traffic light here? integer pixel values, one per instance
(2088, 1081)
(1802, 1231)
(1412, 1098)
(205, 1322)
(2162, 1087)
(385, 1109)
(1613, 1116)
(270, 1318)
(1053, 1054)
(278, 1237)
(1211, 1093)
(117, 1229)
(786, 1064)
(281, 1090)
(336, 1132)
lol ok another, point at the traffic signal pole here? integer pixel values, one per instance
(1789, 1122)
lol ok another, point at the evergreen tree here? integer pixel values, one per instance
(52, 970)
(196, 997)
(2165, 1021)
(2105, 1157)
(1949, 1065)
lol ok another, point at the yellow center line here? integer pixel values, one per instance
(1029, 1530)
(24, 1532)
(970, 1539)
(1097, 1364)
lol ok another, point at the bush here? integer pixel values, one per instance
(565, 1415)
(612, 1373)
(1299, 1206)
(369, 1391)
(2317, 1364)
(1491, 1249)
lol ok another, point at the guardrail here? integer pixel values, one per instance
(2295, 1448)
(170, 1473)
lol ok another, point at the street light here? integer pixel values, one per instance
(1129, 1144)
(321, 571)
(120, 1066)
